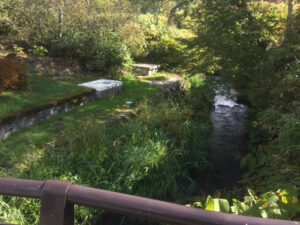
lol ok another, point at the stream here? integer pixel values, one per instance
(228, 139)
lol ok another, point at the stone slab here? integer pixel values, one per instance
(104, 88)
(144, 69)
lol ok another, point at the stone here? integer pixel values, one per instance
(104, 88)
(24, 122)
(145, 69)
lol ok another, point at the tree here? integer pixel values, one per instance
(289, 22)
(155, 7)
(180, 5)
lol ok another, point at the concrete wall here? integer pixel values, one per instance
(24, 122)
(27, 121)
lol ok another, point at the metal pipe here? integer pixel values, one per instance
(136, 206)
(21, 187)
(159, 210)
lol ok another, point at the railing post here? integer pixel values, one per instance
(55, 210)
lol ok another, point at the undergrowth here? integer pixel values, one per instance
(12, 75)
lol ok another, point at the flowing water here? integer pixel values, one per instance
(228, 139)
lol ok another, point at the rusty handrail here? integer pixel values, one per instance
(133, 205)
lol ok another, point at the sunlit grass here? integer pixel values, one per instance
(41, 89)
(159, 76)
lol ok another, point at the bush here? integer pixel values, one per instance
(273, 158)
(167, 51)
(107, 55)
(12, 74)
(38, 50)
(163, 43)
(282, 204)
(98, 51)
(5, 26)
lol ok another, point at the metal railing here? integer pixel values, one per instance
(58, 199)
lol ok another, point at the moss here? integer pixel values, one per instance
(75, 99)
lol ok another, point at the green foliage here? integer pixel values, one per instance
(5, 26)
(199, 97)
(106, 55)
(218, 205)
(273, 159)
(88, 31)
(18, 51)
(281, 204)
(241, 43)
(296, 25)
(166, 51)
(98, 51)
(38, 50)
(234, 38)
(10, 214)
(163, 44)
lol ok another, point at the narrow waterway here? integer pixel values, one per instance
(228, 139)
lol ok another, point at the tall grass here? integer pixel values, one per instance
(151, 155)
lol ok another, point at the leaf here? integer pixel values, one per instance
(209, 205)
(281, 95)
(221, 205)
(217, 205)
(251, 193)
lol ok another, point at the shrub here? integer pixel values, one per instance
(12, 74)
(98, 51)
(296, 25)
(38, 50)
(282, 204)
(107, 55)
(163, 43)
(5, 26)
(167, 51)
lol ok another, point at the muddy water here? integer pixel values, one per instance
(228, 139)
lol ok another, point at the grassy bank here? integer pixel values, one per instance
(41, 89)
(17, 146)
(152, 155)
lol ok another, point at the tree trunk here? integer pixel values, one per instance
(61, 19)
(289, 22)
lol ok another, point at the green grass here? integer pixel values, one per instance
(159, 76)
(17, 146)
(41, 89)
